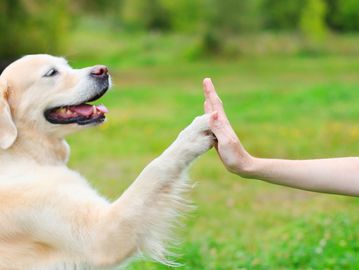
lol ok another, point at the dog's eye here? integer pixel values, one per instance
(52, 72)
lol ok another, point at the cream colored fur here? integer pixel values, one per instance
(50, 218)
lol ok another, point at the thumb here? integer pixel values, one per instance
(217, 127)
(221, 128)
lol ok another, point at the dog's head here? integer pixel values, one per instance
(43, 92)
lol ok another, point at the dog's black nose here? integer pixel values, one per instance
(99, 71)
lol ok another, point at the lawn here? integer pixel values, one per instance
(286, 107)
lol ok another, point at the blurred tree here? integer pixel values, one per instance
(10, 9)
(41, 26)
(185, 15)
(234, 16)
(312, 19)
(281, 14)
(343, 15)
(228, 18)
(145, 14)
(32, 26)
(96, 6)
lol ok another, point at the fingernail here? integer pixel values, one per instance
(207, 80)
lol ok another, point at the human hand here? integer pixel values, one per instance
(233, 155)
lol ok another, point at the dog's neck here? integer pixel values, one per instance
(45, 150)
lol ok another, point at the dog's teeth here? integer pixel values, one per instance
(68, 111)
(94, 109)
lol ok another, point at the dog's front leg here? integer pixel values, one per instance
(142, 218)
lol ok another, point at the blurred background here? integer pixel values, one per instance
(287, 71)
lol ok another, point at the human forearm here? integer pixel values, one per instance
(336, 175)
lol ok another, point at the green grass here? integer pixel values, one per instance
(289, 107)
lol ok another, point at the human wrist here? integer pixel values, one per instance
(244, 165)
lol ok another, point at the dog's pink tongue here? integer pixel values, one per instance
(84, 109)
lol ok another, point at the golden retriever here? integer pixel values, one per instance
(50, 218)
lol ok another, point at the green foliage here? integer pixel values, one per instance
(226, 19)
(185, 15)
(281, 14)
(312, 20)
(32, 26)
(217, 23)
(211, 43)
(343, 15)
(145, 15)
(99, 7)
(233, 16)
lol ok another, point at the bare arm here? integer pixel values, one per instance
(336, 175)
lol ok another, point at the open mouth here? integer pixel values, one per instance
(81, 114)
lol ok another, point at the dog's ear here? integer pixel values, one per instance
(8, 131)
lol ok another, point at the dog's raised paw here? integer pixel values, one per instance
(197, 138)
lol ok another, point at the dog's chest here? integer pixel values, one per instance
(72, 266)
(66, 266)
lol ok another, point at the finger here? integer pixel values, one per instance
(207, 107)
(217, 126)
(212, 96)
(210, 91)
(207, 85)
